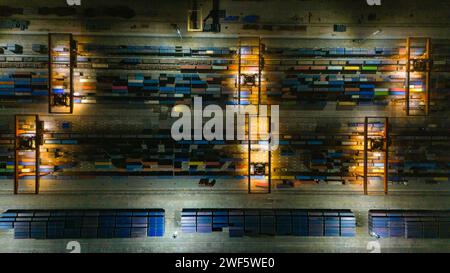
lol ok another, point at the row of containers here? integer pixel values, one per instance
(74, 224)
(409, 223)
(251, 222)
(141, 223)
(317, 222)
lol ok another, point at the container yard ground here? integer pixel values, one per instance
(220, 242)
(417, 152)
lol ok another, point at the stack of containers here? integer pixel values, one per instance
(120, 86)
(444, 224)
(283, 222)
(236, 223)
(151, 86)
(267, 222)
(370, 93)
(74, 224)
(22, 83)
(332, 224)
(252, 222)
(167, 50)
(39, 83)
(396, 225)
(299, 223)
(348, 224)
(89, 224)
(315, 223)
(134, 165)
(182, 85)
(189, 220)
(220, 220)
(156, 223)
(6, 166)
(123, 224)
(204, 221)
(198, 86)
(103, 164)
(6, 85)
(135, 83)
(270, 222)
(409, 223)
(107, 223)
(58, 83)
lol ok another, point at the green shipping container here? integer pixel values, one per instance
(381, 93)
(369, 68)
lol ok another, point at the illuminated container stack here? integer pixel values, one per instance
(253, 222)
(77, 224)
(409, 223)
